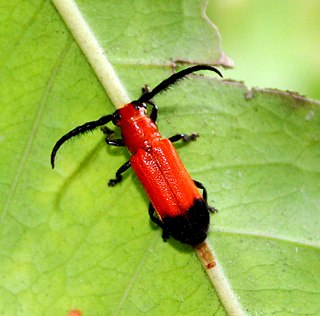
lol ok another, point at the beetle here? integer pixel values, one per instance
(176, 204)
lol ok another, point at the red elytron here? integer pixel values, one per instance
(176, 204)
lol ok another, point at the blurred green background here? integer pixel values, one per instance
(274, 43)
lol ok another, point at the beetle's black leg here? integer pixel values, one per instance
(165, 232)
(204, 194)
(115, 142)
(89, 126)
(184, 137)
(110, 133)
(145, 89)
(122, 169)
(153, 217)
(154, 112)
(201, 186)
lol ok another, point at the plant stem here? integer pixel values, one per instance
(219, 280)
(93, 51)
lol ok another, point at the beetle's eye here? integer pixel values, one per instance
(116, 117)
(137, 106)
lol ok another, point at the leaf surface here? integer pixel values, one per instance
(68, 241)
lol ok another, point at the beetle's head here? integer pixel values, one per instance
(130, 112)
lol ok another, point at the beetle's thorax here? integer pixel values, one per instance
(137, 129)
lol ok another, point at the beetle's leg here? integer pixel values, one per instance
(145, 89)
(122, 169)
(154, 111)
(204, 194)
(110, 133)
(186, 138)
(165, 232)
(201, 186)
(153, 217)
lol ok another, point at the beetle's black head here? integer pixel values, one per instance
(130, 112)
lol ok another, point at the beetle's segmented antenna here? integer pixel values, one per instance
(173, 79)
(87, 127)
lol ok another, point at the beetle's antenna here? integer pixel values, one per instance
(173, 79)
(87, 127)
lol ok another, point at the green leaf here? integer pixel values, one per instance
(68, 241)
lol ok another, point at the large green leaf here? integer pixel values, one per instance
(68, 241)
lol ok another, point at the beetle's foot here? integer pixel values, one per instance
(187, 138)
(212, 209)
(113, 182)
(165, 234)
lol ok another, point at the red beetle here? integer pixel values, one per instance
(176, 204)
